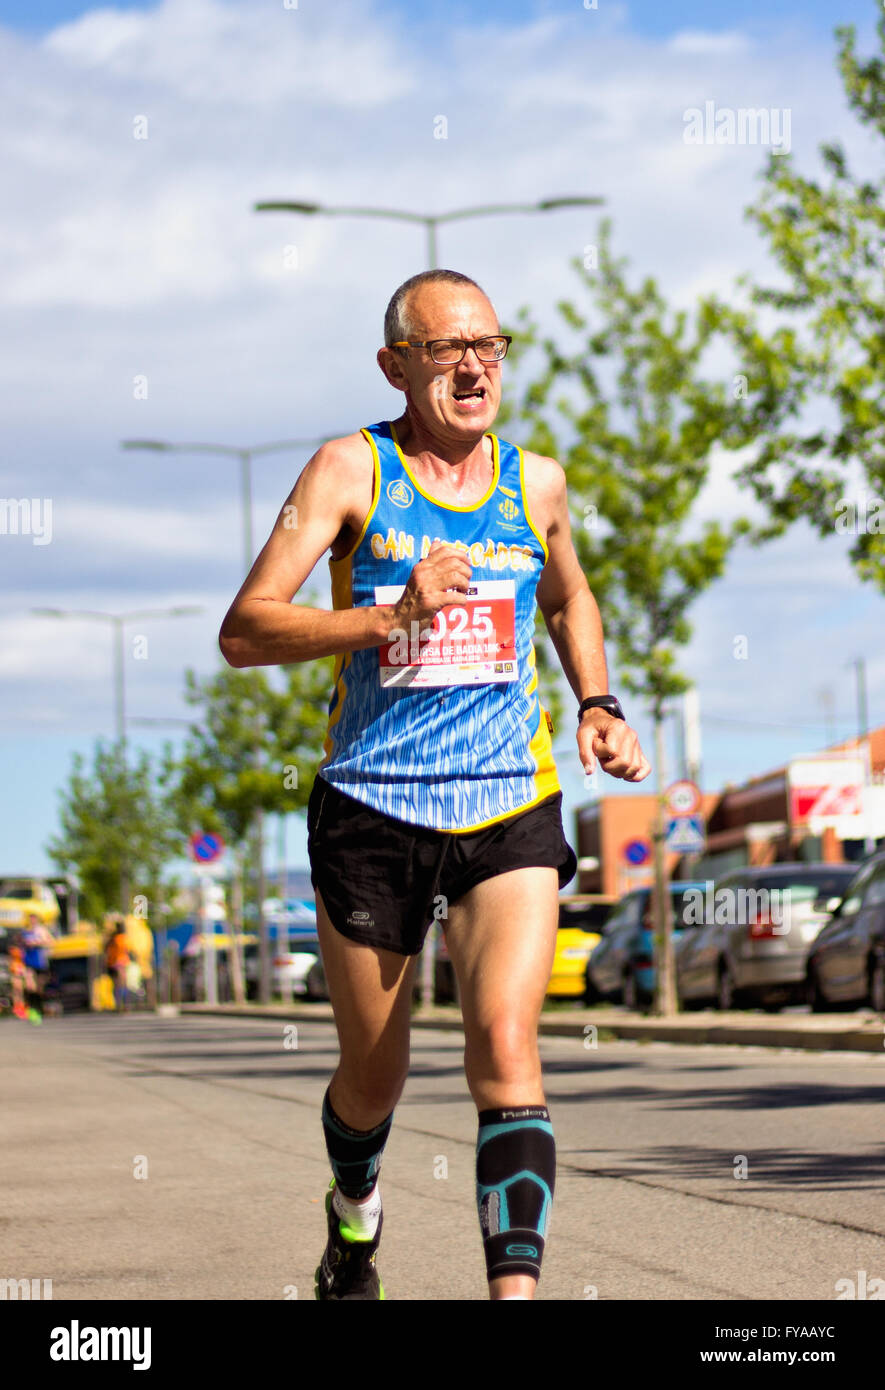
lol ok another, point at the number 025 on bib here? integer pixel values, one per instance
(470, 642)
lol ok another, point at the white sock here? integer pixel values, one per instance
(507, 1297)
(363, 1216)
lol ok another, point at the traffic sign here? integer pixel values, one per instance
(685, 835)
(683, 798)
(206, 847)
(637, 852)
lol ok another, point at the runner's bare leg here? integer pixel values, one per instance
(502, 939)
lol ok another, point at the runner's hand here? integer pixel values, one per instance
(614, 744)
(430, 585)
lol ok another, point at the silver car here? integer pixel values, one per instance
(752, 933)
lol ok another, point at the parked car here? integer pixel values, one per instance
(846, 964)
(621, 968)
(298, 970)
(581, 919)
(756, 928)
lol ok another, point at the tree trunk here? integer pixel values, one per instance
(264, 952)
(665, 973)
(236, 927)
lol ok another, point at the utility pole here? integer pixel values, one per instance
(665, 992)
(863, 743)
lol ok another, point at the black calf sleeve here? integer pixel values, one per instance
(515, 1175)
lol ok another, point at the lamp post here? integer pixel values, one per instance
(245, 456)
(430, 221)
(118, 621)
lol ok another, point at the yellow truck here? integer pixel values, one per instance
(23, 898)
(76, 957)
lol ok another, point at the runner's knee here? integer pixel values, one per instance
(505, 1050)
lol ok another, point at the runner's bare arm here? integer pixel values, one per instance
(575, 626)
(564, 597)
(262, 626)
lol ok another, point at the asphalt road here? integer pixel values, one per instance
(183, 1158)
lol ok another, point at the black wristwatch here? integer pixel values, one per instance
(608, 702)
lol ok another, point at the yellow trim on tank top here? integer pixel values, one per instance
(525, 506)
(376, 494)
(448, 506)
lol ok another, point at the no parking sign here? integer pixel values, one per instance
(206, 847)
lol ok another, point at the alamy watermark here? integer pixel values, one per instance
(27, 516)
(767, 908)
(744, 125)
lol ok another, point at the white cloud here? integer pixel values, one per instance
(699, 41)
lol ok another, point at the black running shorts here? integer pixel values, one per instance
(380, 877)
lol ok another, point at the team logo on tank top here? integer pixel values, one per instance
(400, 493)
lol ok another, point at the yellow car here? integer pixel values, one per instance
(581, 917)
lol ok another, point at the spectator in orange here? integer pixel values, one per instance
(117, 960)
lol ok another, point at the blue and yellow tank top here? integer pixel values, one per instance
(455, 757)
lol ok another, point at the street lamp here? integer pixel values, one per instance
(431, 221)
(117, 620)
(245, 455)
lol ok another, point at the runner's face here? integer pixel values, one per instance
(460, 401)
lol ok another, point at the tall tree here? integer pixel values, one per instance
(633, 424)
(815, 372)
(117, 833)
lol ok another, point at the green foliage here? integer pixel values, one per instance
(116, 829)
(817, 376)
(632, 419)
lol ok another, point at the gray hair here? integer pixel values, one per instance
(397, 325)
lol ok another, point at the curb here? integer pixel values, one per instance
(819, 1033)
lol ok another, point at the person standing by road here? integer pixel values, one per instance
(437, 794)
(36, 942)
(117, 958)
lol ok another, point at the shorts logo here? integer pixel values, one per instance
(400, 494)
(522, 1250)
(360, 919)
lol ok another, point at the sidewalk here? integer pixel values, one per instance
(855, 1032)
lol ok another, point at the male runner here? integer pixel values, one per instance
(438, 793)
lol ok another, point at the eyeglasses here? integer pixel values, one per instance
(445, 352)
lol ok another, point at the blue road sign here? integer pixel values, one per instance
(637, 852)
(686, 835)
(206, 847)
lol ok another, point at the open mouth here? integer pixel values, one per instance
(470, 398)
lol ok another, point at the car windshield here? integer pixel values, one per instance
(16, 889)
(813, 886)
(588, 917)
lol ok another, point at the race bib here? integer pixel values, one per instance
(472, 641)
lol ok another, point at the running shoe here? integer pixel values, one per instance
(347, 1269)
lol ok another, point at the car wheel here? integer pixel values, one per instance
(772, 1006)
(726, 993)
(591, 993)
(315, 983)
(813, 996)
(629, 993)
(877, 986)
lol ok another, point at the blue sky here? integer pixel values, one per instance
(645, 16)
(125, 257)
